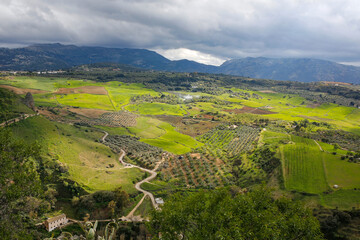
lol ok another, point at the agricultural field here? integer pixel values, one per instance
(273, 138)
(342, 172)
(214, 132)
(189, 126)
(303, 166)
(156, 109)
(343, 199)
(121, 93)
(308, 169)
(232, 139)
(31, 82)
(193, 132)
(113, 119)
(163, 135)
(141, 153)
(85, 101)
(195, 170)
(292, 108)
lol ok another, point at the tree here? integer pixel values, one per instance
(21, 190)
(121, 199)
(220, 215)
(336, 146)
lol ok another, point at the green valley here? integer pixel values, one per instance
(141, 134)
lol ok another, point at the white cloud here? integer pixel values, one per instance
(357, 64)
(183, 53)
(327, 29)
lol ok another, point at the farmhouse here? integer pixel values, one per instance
(55, 222)
(159, 201)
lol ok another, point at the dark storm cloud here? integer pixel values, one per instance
(327, 29)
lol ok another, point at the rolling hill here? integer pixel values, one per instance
(293, 69)
(58, 56)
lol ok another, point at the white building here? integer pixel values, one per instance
(55, 222)
(159, 201)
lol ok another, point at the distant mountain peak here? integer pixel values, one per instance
(294, 69)
(58, 56)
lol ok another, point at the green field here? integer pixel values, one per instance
(303, 166)
(157, 109)
(86, 101)
(273, 138)
(292, 108)
(342, 199)
(307, 169)
(41, 83)
(121, 93)
(75, 148)
(163, 135)
(342, 173)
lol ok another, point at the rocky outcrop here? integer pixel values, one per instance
(29, 101)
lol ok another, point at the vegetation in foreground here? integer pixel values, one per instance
(222, 214)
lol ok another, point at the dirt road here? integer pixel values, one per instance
(14, 120)
(153, 174)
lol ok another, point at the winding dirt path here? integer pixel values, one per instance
(14, 120)
(153, 174)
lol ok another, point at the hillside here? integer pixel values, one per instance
(58, 56)
(293, 69)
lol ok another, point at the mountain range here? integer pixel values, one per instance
(41, 57)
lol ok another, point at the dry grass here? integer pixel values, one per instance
(267, 91)
(189, 126)
(90, 113)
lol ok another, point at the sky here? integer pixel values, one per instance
(207, 31)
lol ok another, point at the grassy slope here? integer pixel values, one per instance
(46, 84)
(86, 159)
(11, 106)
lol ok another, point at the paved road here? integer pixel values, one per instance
(138, 185)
